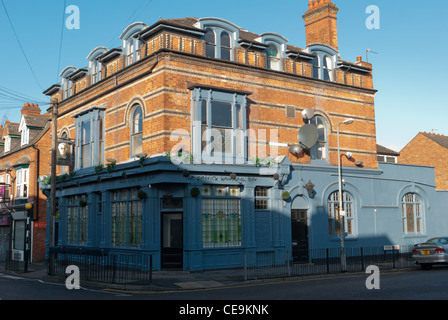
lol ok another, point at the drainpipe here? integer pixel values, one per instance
(36, 201)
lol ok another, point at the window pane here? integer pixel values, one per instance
(207, 223)
(239, 116)
(85, 132)
(137, 120)
(204, 112)
(210, 43)
(225, 46)
(137, 141)
(85, 151)
(221, 114)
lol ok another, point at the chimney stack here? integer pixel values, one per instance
(321, 23)
(31, 108)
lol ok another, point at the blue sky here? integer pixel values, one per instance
(409, 70)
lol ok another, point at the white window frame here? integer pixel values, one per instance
(7, 143)
(418, 220)
(25, 136)
(204, 131)
(319, 152)
(334, 217)
(134, 133)
(22, 180)
(95, 147)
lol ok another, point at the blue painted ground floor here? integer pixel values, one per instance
(198, 217)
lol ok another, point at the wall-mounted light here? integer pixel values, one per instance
(359, 163)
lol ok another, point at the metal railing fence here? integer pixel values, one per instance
(102, 265)
(274, 264)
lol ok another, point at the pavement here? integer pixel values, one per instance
(161, 280)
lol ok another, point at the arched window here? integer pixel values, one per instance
(210, 43)
(273, 57)
(225, 46)
(334, 214)
(319, 150)
(136, 130)
(412, 213)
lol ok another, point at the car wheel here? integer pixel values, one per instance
(427, 266)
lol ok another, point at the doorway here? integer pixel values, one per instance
(299, 234)
(172, 240)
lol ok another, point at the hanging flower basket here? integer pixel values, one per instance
(141, 194)
(285, 195)
(194, 192)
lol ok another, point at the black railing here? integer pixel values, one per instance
(102, 265)
(272, 264)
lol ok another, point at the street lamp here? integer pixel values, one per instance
(341, 212)
(27, 244)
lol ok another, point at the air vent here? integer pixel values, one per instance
(290, 112)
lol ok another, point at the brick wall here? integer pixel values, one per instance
(423, 151)
(166, 100)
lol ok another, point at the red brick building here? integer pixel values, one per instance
(160, 66)
(24, 158)
(428, 149)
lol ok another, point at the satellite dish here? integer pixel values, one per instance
(308, 113)
(307, 136)
(295, 149)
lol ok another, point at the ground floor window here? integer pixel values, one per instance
(221, 217)
(127, 219)
(77, 220)
(334, 215)
(412, 213)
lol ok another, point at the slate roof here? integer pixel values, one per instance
(386, 151)
(437, 138)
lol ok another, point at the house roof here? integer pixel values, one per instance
(437, 138)
(386, 151)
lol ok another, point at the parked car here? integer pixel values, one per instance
(433, 251)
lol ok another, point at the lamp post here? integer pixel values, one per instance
(27, 244)
(341, 212)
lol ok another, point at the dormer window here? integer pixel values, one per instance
(220, 37)
(66, 82)
(95, 66)
(324, 62)
(131, 45)
(221, 49)
(275, 51)
(23, 128)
